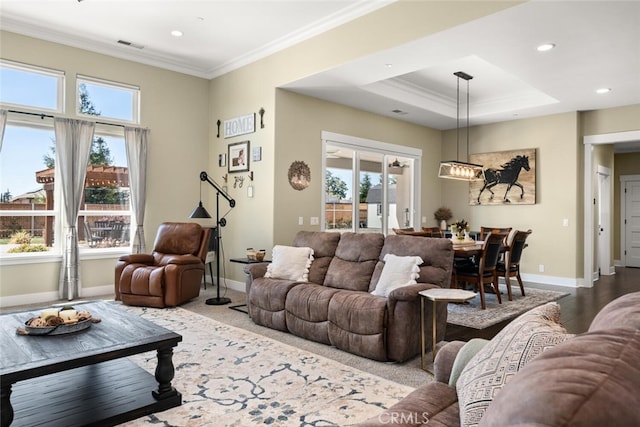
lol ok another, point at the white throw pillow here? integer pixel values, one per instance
(291, 263)
(398, 271)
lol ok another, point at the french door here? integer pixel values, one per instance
(369, 186)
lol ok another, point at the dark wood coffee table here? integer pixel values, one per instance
(84, 378)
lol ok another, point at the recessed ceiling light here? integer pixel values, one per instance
(545, 47)
(603, 90)
(388, 65)
(176, 33)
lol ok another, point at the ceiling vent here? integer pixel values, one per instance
(126, 43)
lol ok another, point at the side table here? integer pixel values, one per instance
(244, 260)
(437, 295)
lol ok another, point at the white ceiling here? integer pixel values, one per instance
(597, 45)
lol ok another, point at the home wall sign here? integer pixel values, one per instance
(509, 178)
(240, 125)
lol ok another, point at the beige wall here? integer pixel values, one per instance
(174, 106)
(555, 139)
(253, 223)
(300, 122)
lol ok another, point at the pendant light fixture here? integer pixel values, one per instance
(455, 169)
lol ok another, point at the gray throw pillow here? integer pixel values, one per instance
(463, 357)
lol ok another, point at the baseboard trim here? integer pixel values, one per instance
(552, 280)
(42, 297)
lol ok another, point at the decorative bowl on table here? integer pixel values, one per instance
(58, 321)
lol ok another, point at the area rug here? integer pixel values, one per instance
(471, 315)
(232, 377)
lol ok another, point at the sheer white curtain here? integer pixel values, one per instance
(3, 123)
(73, 146)
(136, 142)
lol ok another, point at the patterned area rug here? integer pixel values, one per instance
(232, 377)
(471, 315)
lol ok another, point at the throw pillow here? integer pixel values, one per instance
(466, 353)
(511, 349)
(291, 263)
(398, 271)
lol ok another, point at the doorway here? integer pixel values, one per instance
(604, 221)
(630, 220)
(589, 194)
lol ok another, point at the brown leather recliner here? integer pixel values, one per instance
(169, 276)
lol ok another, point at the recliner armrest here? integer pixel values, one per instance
(137, 259)
(181, 259)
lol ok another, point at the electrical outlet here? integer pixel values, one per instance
(541, 268)
(424, 219)
(565, 222)
(300, 220)
(314, 220)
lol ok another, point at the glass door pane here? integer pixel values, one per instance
(339, 189)
(400, 192)
(371, 192)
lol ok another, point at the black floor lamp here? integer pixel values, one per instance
(201, 212)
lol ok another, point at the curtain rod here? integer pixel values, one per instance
(42, 116)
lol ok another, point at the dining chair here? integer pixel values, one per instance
(91, 238)
(116, 232)
(432, 231)
(504, 231)
(484, 272)
(510, 267)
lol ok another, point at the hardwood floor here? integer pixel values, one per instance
(577, 309)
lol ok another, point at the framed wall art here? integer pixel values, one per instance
(256, 154)
(239, 157)
(509, 178)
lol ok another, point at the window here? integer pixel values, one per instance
(107, 99)
(385, 194)
(104, 219)
(27, 212)
(30, 206)
(29, 87)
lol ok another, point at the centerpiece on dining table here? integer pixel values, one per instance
(460, 231)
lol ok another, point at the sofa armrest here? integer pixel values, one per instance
(444, 360)
(256, 270)
(410, 292)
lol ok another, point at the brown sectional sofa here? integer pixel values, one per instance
(590, 379)
(336, 307)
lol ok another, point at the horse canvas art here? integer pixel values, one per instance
(509, 178)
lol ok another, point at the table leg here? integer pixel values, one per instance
(422, 339)
(164, 374)
(7, 410)
(434, 330)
